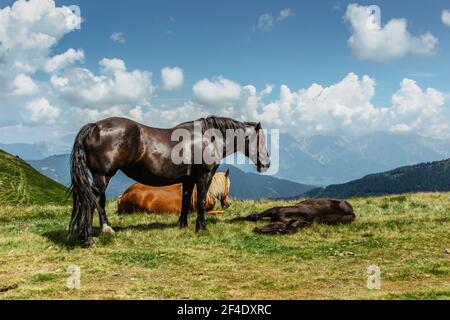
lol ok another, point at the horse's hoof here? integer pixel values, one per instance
(107, 229)
(88, 243)
(200, 226)
(182, 225)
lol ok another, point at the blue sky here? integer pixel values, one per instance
(209, 39)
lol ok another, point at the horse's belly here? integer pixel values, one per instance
(145, 176)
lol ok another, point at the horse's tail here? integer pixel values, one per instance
(84, 201)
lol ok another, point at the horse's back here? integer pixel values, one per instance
(329, 205)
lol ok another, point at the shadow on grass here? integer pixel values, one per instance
(61, 239)
(146, 227)
(158, 225)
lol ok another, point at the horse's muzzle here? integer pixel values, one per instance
(263, 168)
(225, 205)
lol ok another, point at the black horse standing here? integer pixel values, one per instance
(145, 154)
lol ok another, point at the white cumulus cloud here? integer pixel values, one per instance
(24, 86)
(41, 111)
(445, 17)
(342, 108)
(172, 78)
(218, 92)
(391, 41)
(29, 31)
(63, 60)
(114, 85)
(109, 66)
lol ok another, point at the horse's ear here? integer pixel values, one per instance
(227, 173)
(258, 126)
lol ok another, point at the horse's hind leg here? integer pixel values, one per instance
(296, 224)
(278, 227)
(100, 184)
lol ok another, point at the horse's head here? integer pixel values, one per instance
(224, 198)
(245, 137)
(256, 149)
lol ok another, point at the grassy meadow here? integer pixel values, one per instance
(21, 185)
(407, 236)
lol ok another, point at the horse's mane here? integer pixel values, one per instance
(221, 123)
(218, 185)
(217, 189)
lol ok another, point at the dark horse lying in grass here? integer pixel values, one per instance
(147, 154)
(287, 220)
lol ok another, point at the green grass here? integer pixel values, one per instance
(20, 184)
(149, 257)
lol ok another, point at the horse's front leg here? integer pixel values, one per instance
(188, 187)
(202, 191)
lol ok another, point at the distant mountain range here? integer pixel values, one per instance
(317, 160)
(325, 160)
(58, 169)
(243, 185)
(425, 177)
(41, 150)
(25, 150)
(246, 185)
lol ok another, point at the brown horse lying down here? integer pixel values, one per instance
(287, 220)
(143, 198)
